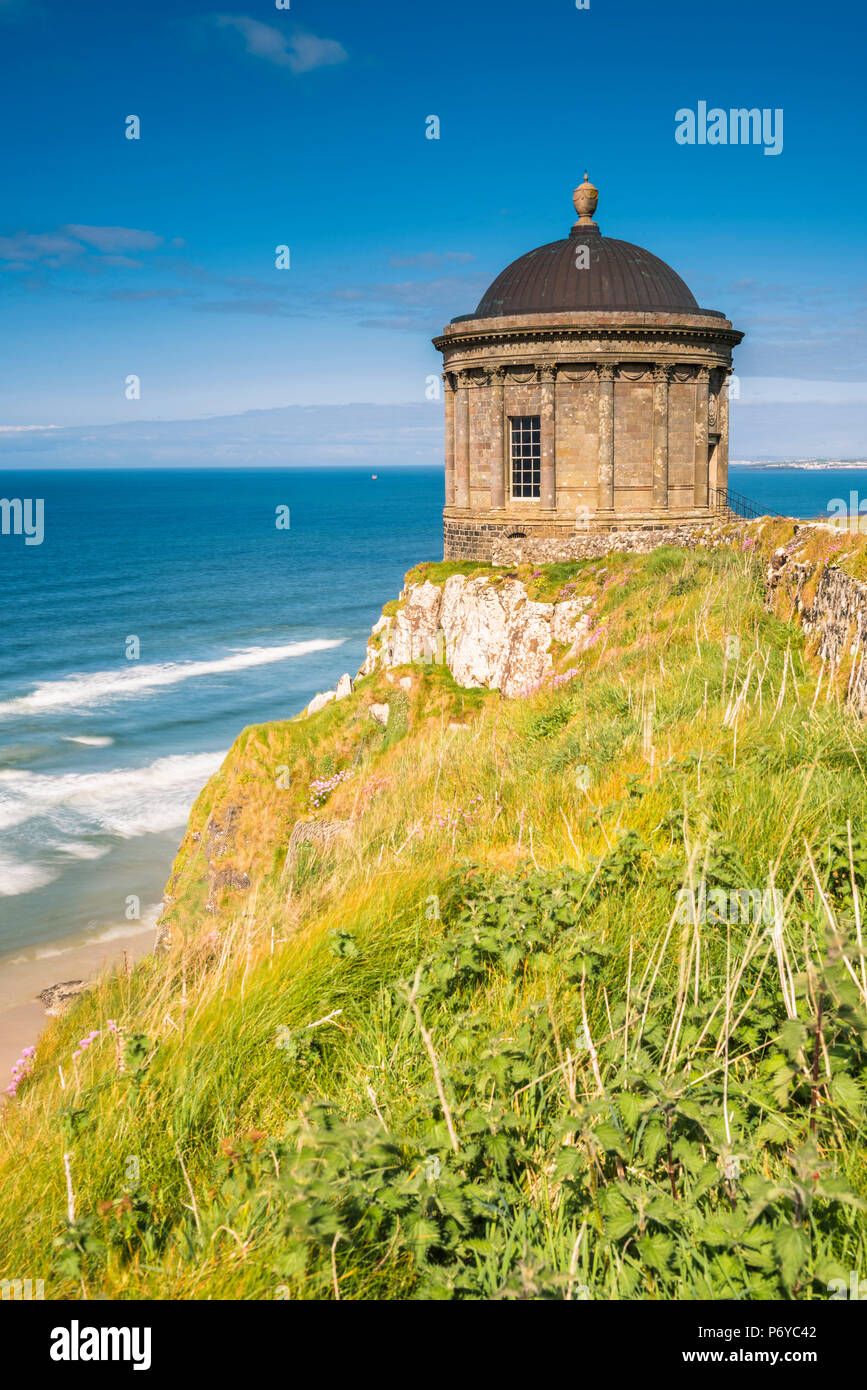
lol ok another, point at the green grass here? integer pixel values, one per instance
(478, 1049)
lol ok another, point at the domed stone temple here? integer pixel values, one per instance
(585, 395)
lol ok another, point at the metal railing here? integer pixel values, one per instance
(723, 500)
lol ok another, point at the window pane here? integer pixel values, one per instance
(525, 453)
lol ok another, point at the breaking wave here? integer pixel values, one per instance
(98, 687)
(124, 802)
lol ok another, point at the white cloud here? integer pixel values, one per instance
(115, 238)
(299, 52)
(30, 247)
(83, 247)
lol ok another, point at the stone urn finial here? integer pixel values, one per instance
(585, 199)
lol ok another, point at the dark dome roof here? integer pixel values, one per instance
(619, 276)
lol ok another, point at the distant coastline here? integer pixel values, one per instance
(807, 465)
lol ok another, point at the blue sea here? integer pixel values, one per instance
(804, 492)
(163, 612)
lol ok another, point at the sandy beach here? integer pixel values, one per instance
(24, 975)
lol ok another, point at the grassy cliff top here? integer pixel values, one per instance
(494, 1039)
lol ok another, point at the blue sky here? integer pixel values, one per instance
(306, 127)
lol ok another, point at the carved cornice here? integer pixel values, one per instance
(482, 375)
(592, 338)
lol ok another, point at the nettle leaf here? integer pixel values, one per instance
(707, 1179)
(629, 1106)
(293, 1263)
(511, 958)
(570, 1162)
(756, 1249)
(793, 1036)
(421, 1234)
(619, 1217)
(450, 1201)
(791, 1247)
(654, 1141)
(762, 1194)
(687, 1152)
(499, 1149)
(656, 1250)
(827, 1269)
(780, 1083)
(846, 1092)
(691, 1110)
(611, 1139)
(771, 1132)
(714, 1232)
(728, 1265)
(838, 1190)
(475, 1121)
(664, 1209)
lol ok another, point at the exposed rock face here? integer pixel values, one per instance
(220, 835)
(344, 686)
(57, 998)
(489, 634)
(229, 878)
(219, 841)
(413, 629)
(571, 620)
(836, 614)
(378, 631)
(321, 700)
(497, 636)
(380, 713)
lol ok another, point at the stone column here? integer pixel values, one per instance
(723, 451)
(547, 438)
(498, 434)
(605, 466)
(661, 377)
(701, 459)
(462, 441)
(449, 393)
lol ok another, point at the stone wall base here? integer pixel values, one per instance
(495, 542)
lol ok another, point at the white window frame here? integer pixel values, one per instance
(525, 436)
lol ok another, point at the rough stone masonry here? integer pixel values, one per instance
(586, 393)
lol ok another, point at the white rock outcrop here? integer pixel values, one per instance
(344, 687)
(321, 700)
(488, 633)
